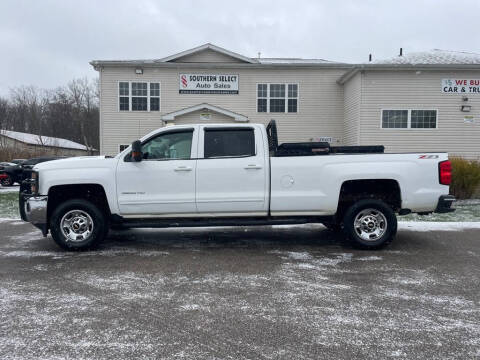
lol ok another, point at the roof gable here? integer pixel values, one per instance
(208, 53)
(204, 106)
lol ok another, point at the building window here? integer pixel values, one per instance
(277, 98)
(262, 98)
(124, 93)
(409, 119)
(122, 147)
(424, 119)
(139, 96)
(395, 119)
(292, 97)
(154, 96)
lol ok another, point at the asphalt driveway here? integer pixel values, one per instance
(257, 293)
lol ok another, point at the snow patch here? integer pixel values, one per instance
(424, 226)
(338, 259)
(190, 307)
(30, 254)
(299, 255)
(433, 57)
(369, 258)
(306, 266)
(4, 220)
(10, 189)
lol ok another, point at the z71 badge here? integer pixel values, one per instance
(428, 156)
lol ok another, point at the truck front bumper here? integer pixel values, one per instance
(35, 211)
(445, 204)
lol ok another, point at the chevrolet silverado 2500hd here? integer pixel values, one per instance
(210, 175)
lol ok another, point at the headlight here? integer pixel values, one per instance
(34, 183)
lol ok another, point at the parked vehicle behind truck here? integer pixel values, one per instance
(209, 175)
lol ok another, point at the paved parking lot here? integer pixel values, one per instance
(263, 293)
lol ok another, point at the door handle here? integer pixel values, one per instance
(183, 168)
(253, 166)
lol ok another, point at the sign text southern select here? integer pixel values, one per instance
(208, 84)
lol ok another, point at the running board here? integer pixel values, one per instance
(205, 222)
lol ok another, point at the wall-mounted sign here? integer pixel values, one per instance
(208, 84)
(461, 86)
(205, 116)
(327, 139)
(468, 119)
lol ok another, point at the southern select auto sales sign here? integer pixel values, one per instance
(208, 84)
(461, 86)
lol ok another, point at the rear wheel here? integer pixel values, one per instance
(370, 224)
(7, 181)
(78, 225)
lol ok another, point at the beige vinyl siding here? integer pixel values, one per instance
(352, 105)
(207, 56)
(320, 102)
(419, 90)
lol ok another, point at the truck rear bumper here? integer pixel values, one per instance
(35, 211)
(445, 204)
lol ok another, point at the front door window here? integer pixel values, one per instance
(169, 146)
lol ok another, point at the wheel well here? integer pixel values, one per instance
(386, 190)
(91, 192)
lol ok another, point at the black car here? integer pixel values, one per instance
(5, 164)
(18, 172)
(11, 175)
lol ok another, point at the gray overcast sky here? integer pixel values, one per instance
(46, 43)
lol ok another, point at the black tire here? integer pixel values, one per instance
(98, 232)
(333, 227)
(8, 181)
(369, 210)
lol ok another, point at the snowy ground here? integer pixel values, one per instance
(266, 293)
(9, 189)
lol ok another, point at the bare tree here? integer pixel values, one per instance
(69, 112)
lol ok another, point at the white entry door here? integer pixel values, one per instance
(163, 183)
(231, 173)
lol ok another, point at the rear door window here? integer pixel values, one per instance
(239, 142)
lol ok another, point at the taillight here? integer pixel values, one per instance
(445, 172)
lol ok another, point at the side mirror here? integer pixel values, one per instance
(137, 151)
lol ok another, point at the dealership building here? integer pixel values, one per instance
(424, 101)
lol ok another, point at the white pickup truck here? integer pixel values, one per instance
(216, 175)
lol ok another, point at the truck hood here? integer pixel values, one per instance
(87, 162)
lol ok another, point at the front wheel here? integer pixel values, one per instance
(78, 225)
(370, 224)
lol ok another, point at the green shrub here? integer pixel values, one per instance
(465, 178)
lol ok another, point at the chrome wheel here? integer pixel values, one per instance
(76, 225)
(370, 224)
